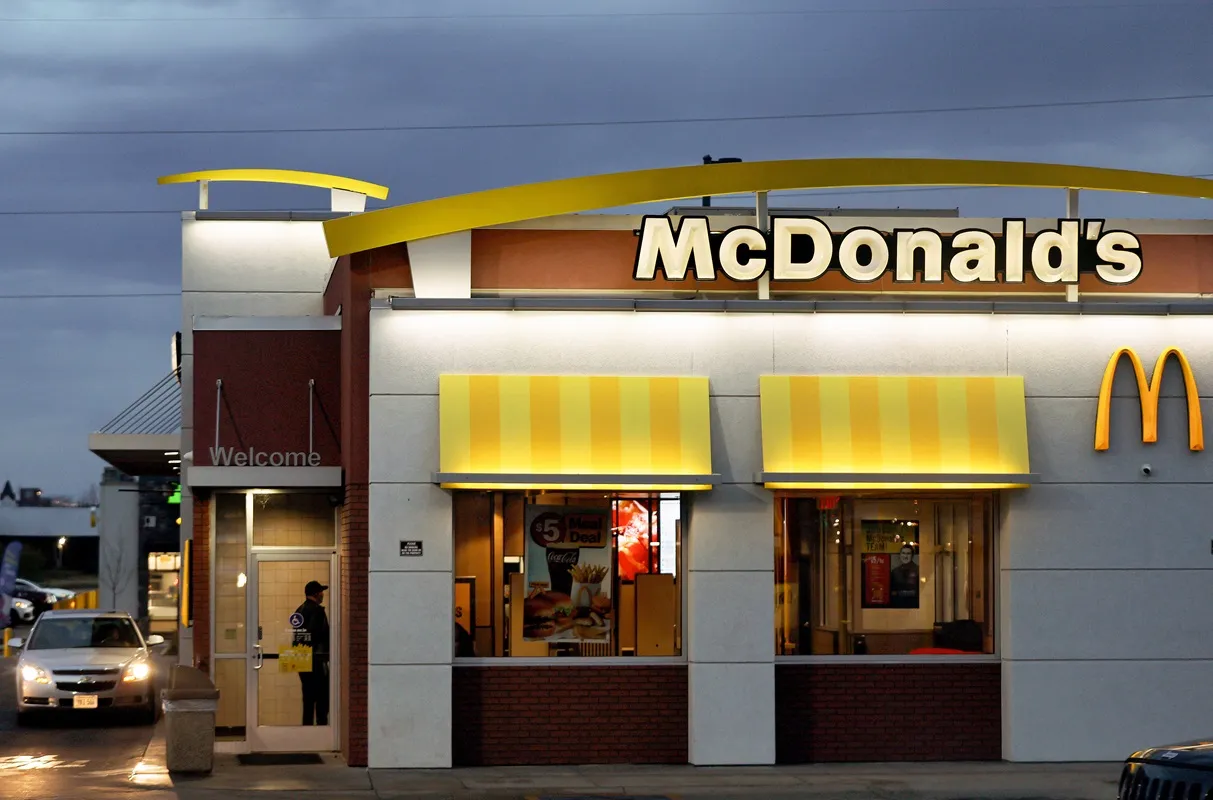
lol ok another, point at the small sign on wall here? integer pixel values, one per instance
(410, 548)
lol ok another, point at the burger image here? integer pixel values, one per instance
(544, 614)
(601, 604)
(592, 627)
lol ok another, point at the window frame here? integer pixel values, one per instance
(992, 570)
(685, 511)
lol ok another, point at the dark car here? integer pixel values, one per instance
(1175, 772)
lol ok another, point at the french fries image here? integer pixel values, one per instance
(589, 573)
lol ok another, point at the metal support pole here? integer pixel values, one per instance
(204, 195)
(218, 401)
(311, 402)
(1071, 213)
(764, 225)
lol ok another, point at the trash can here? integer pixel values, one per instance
(190, 703)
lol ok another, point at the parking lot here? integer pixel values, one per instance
(70, 754)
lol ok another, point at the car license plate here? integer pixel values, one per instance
(84, 701)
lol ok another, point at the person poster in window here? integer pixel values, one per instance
(890, 563)
(633, 525)
(568, 574)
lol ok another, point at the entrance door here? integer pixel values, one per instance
(277, 688)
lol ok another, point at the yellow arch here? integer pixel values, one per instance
(291, 176)
(571, 195)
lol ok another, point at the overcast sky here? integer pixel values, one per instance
(72, 364)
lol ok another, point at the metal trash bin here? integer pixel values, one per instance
(190, 703)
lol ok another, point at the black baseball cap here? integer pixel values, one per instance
(313, 587)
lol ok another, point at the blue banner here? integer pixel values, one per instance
(8, 580)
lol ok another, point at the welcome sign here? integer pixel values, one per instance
(804, 249)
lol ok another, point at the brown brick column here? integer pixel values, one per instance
(354, 553)
(200, 584)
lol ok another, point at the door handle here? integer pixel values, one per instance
(260, 658)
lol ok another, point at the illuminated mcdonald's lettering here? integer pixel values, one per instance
(1148, 390)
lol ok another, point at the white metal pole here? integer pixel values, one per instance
(764, 225)
(1071, 213)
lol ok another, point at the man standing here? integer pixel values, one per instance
(314, 632)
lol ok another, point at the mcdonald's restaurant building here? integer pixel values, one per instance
(717, 486)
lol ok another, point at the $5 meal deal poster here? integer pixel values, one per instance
(568, 574)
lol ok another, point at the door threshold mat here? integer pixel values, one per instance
(278, 759)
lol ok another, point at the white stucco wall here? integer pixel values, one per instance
(1104, 573)
(118, 526)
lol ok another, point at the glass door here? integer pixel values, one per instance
(293, 653)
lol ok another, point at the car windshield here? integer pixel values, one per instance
(73, 632)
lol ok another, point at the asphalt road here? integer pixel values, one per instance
(78, 754)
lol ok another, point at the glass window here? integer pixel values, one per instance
(884, 575)
(294, 519)
(543, 574)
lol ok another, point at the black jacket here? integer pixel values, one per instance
(316, 624)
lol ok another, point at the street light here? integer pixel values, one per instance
(707, 200)
(59, 552)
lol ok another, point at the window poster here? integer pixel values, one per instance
(568, 574)
(890, 563)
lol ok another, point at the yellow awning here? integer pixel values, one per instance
(860, 432)
(574, 432)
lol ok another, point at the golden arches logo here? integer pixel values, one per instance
(1148, 390)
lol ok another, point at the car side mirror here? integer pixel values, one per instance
(17, 643)
(155, 639)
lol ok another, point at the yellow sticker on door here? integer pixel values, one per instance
(295, 659)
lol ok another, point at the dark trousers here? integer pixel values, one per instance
(316, 693)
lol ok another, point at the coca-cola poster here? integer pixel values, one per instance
(568, 574)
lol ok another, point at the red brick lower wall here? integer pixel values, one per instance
(200, 585)
(888, 712)
(354, 554)
(570, 715)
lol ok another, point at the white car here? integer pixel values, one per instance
(58, 594)
(87, 660)
(21, 612)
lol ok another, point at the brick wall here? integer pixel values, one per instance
(570, 715)
(888, 712)
(354, 552)
(200, 586)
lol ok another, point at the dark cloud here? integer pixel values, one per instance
(73, 364)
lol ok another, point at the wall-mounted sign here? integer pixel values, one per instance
(231, 457)
(804, 249)
(1148, 390)
(412, 549)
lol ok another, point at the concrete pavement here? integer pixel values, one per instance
(232, 781)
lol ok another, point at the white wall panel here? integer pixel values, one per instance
(404, 438)
(732, 529)
(254, 256)
(409, 350)
(1107, 526)
(413, 511)
(1117, 614)
(731, 349)
(732, 617)
(1102, 710)
(732, 714)
(1061, 443)
(1065, 355)
(736, 430)
(409, 717)
(412, 617)
(889, 344)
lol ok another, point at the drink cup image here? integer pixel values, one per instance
(561, 562)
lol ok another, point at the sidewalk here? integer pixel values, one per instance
(913, 781)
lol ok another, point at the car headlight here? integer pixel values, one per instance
(22, 604)
(51, 599)
(137, 672)
(34, 674)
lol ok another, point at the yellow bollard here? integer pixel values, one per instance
(8, 632)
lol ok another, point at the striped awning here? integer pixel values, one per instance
(574, 432)
(834, 432)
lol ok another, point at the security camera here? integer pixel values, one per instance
(1146, 470)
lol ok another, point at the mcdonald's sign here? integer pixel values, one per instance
(1148, 390)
